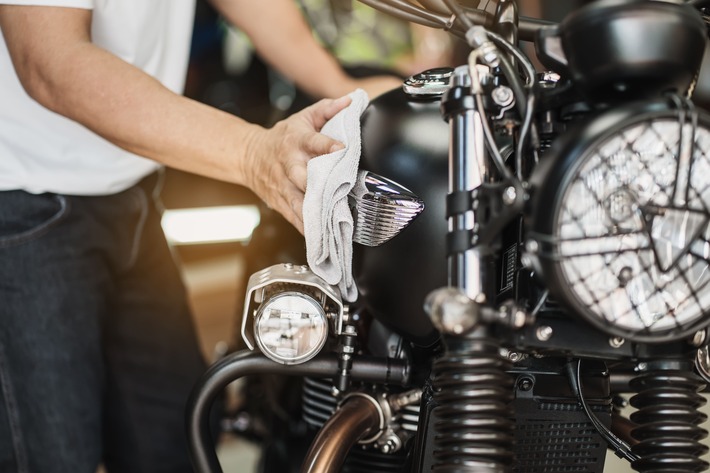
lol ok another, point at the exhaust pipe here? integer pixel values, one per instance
(358, 417)
(232, 367)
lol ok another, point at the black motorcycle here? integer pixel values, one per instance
(531, 248)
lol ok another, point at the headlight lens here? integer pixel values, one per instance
(628, 242)
(290, 328)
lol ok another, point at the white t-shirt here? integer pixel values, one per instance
(41, 151)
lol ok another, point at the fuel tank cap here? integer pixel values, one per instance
(429, 83)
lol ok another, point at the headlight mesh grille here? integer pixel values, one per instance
(631, 237)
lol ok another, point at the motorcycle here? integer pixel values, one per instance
(530, 249)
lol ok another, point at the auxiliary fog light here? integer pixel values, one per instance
(290, 311)
(290, 327)
(621, 228)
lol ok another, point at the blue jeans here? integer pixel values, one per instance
(97, 346)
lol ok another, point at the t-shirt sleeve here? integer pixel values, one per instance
(89, 4)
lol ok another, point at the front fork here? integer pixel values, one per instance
(472, 392)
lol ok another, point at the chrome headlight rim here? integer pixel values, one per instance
(551, 182)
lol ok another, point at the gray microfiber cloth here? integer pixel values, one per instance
(327, 220)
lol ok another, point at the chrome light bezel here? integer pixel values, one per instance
(278, 279)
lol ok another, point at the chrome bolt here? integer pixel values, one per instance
(699, 338)
(549, 76)
(526, 261)
(544, 333)
(392, 443)
(515, 356)
(532, 246)
(616, 342)
(509, 195)
(502, 96)
(520, 318)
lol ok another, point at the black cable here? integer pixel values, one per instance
(491, 141)
(621, 448)
(540, 303)
(528, 68)
(526, 100)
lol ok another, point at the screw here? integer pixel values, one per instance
(532, 246)
(509, 195)
(526, 261)
(616, 342)
(544, 333)
(390, 446)
(699, 338)
(520, 318)
(502, 96)
(525, 384)
(515, 356)
(550, 76)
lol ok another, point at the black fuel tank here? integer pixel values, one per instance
(405, 139)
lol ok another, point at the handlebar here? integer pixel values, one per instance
(527, 27)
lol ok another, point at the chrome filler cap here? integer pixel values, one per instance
(430, 83)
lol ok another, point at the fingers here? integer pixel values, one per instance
(281, 156)
(317, 144)
(322, 111)
(290, 204)
(297, 173)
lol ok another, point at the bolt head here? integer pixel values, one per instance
(544, 333)
(509, 195)
(699, 338)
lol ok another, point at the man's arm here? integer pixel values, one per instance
(283, 38)
(64, 71)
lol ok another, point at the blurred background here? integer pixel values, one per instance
(221, 232)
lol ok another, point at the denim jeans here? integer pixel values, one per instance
(97, 346)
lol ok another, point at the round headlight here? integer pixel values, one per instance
(290, 328)
(621, 224)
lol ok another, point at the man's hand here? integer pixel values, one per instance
(276, 158)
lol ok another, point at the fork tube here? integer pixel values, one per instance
(467, 170)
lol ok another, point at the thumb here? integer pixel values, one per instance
(325, 109)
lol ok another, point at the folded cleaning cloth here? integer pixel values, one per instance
(327, 220)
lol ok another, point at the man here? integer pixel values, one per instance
(97, 348)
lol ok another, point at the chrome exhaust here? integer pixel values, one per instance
(358, 417)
